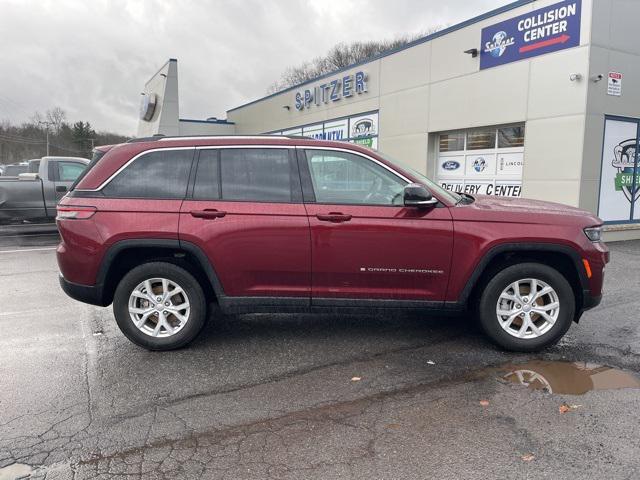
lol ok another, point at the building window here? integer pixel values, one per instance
(451, 142)
(509, 137)
(481, 139)
(486, 161)
(361, 129)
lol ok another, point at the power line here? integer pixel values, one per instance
(22, 140)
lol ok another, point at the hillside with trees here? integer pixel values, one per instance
(29, 140)
(340, 56)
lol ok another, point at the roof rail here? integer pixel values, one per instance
(153, 138)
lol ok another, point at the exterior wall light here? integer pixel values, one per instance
(286, 107)
(473, 52)
(575, 77)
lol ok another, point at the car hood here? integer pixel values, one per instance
(521, 210)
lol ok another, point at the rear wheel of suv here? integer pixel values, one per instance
(159, 306)
(526, 307)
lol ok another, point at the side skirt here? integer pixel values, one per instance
(235, 305)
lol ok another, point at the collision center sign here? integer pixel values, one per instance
(545, 30)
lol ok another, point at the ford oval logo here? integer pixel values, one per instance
(451, 165)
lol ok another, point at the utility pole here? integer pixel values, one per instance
(46, 124)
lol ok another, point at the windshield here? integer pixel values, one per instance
(427, 182)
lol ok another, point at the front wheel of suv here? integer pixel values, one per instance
(159, 306)
(526, 307)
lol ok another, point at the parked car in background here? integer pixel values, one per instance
(164, 227)
(15, 169)
(31, 196)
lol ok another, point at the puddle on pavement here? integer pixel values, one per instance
(15, 471)
(569, 378)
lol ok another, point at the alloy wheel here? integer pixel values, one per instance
(527, 308)
(159, 307)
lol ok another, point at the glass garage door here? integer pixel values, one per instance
(485, 161)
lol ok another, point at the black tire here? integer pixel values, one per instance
(494, 288)
(197, 315)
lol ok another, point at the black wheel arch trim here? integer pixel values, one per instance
(496, 250)
(118, 247)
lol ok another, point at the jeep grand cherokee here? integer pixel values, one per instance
(165, 227)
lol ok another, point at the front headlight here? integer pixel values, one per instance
(594, 233)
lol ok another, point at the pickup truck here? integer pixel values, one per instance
(15, 169)
(32, 197)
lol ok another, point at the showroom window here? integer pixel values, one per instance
(486, 160)
(620, 173)
(361, 129)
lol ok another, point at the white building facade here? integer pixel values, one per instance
(539, 99)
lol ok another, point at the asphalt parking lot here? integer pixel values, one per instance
(399, 396)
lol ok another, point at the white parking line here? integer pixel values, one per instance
(29, 250)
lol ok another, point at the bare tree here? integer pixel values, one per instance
(56, 117)
(340, 56)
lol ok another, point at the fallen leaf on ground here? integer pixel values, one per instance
(393, 425)
(484, 403)
(528, 457)
(356, 379)
(564, 408)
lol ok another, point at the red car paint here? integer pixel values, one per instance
(289, 250)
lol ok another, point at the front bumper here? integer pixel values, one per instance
(590, 301)
(91, 294)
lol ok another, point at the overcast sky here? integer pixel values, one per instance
(92, 58)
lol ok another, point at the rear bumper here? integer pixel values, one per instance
(83, 293)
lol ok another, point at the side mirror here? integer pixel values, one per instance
(416, 195)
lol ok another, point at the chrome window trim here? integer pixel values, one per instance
(227, 147)
(214, 147)
(129, 162)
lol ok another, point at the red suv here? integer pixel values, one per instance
(164, 227)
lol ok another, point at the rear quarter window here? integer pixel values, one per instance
(160, 175)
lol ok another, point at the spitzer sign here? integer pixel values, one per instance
(541, 31)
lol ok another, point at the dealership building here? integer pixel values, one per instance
(539, 99)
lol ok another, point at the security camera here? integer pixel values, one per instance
(597, 78)
(574, 77)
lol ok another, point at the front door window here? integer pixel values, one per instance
(345, 178)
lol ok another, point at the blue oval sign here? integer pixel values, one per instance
(451, 165)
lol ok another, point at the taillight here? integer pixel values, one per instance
(68, 212)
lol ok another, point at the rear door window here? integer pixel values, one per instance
(69, 171)
(256, 174)
(160, 174)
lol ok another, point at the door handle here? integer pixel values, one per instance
(208, 213)
(61, 189)
(335, 217)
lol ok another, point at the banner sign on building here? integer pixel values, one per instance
(541, 31)
(620, 178)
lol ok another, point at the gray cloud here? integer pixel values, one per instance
(92, 58)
